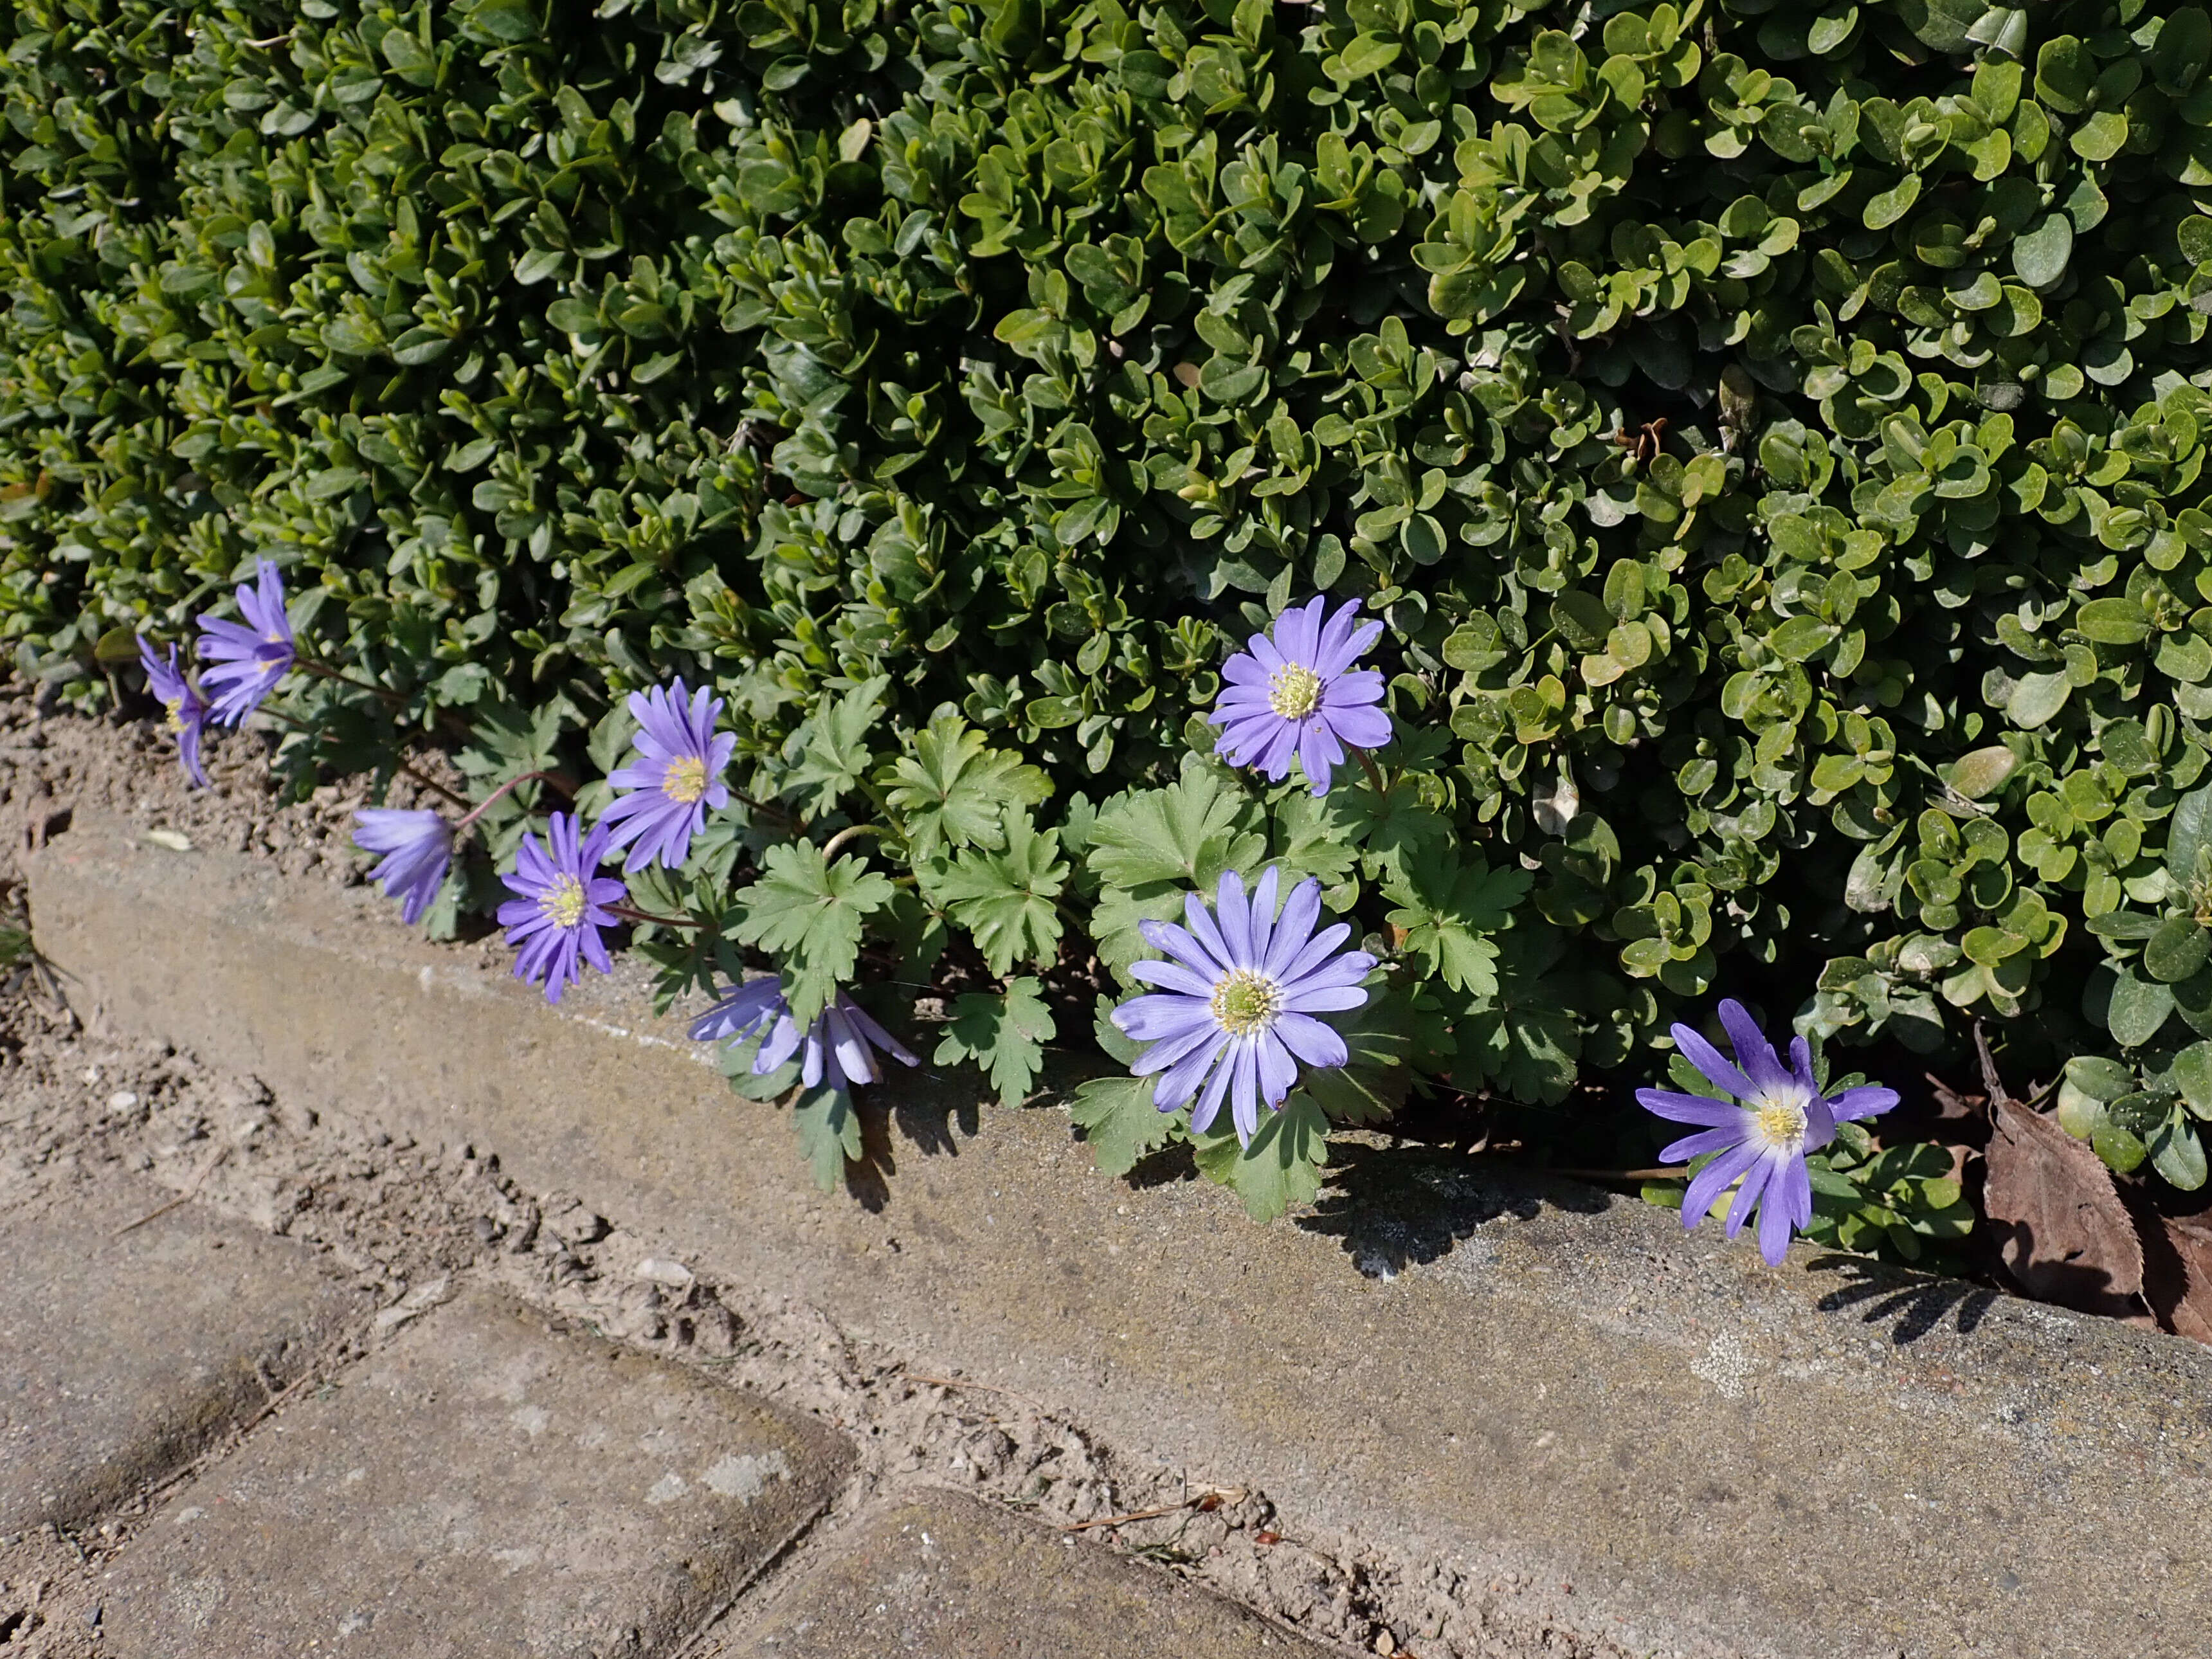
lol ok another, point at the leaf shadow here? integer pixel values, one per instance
(1916, 1303)
(927, 1118)
(1170, 1165)
(1394, 1207)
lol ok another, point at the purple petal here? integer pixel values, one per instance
(1174, 976)
(1719, 1070)
(1177, 1083)
(1326, 999)
(1820, 1124)
(1310, 1040)
(1362, 728)
(1746, 1196)
(1233, 911)
(850, 1049)
(741, 1011)
(1262, 924)
(1203, 929)
(1298, 631)
(1209, 1104)
(1705, 1140)
(1800, 1064)
(1795, 1187)
(1348, 969)
(782, 1043)
(1169, 1052)
(1160, 1017)
(1243, 1069)
(1688, 1109)
(1279, 1072)
(1315, 951)
(1774, 1213)
(1335, 657)
(1171, 940)
(1755, 1054)
(1710, 1182)
(1868, 1100)
(1320, 753)
(1294, 927)
(1347, 692)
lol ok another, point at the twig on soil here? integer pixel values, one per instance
(960, 1383)
(1995, 1090)
(1206, 1498)
(1990, 1085)
(183, 1198)
(1037, 1405)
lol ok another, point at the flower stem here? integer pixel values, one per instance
(631, 913)
(559, 781)
(323, 670)
(1367, 764)
(452, 719)
(432, 784)
(847, 833)
(769, 808)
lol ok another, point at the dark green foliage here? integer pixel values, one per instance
(1772, 434)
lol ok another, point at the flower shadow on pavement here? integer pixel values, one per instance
(932, 1120)
(1916, 1302)
(1392, 1207)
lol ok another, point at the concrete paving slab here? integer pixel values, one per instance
(123, 1353)
(487, 1484)
(1650, 1441)
(942, 1576)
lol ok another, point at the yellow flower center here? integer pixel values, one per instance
(1246, 1002)
(1294, 692)
(685, 780)
(1780, 1124)
(563, 902)
(176, 708)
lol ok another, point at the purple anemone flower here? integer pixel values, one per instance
(188, 710)
(841, 1043)
(1772, 1116)
(252, 656)
(562, 905)
(416, 847)
(678, 776)
(1240, 992)
(1294, 691)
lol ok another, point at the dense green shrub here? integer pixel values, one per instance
(1772, 434)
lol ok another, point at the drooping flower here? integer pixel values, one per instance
(840, 1044)
(677, 776)
(417, 845)
(1240, 994)
(562, 907)
(1771, 1116)
(188, 710)
(250, 656)
(1294, 692)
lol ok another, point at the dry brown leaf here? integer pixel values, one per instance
(2061, 1229)
(2185, 1308)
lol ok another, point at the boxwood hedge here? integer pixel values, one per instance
(1771, 433)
